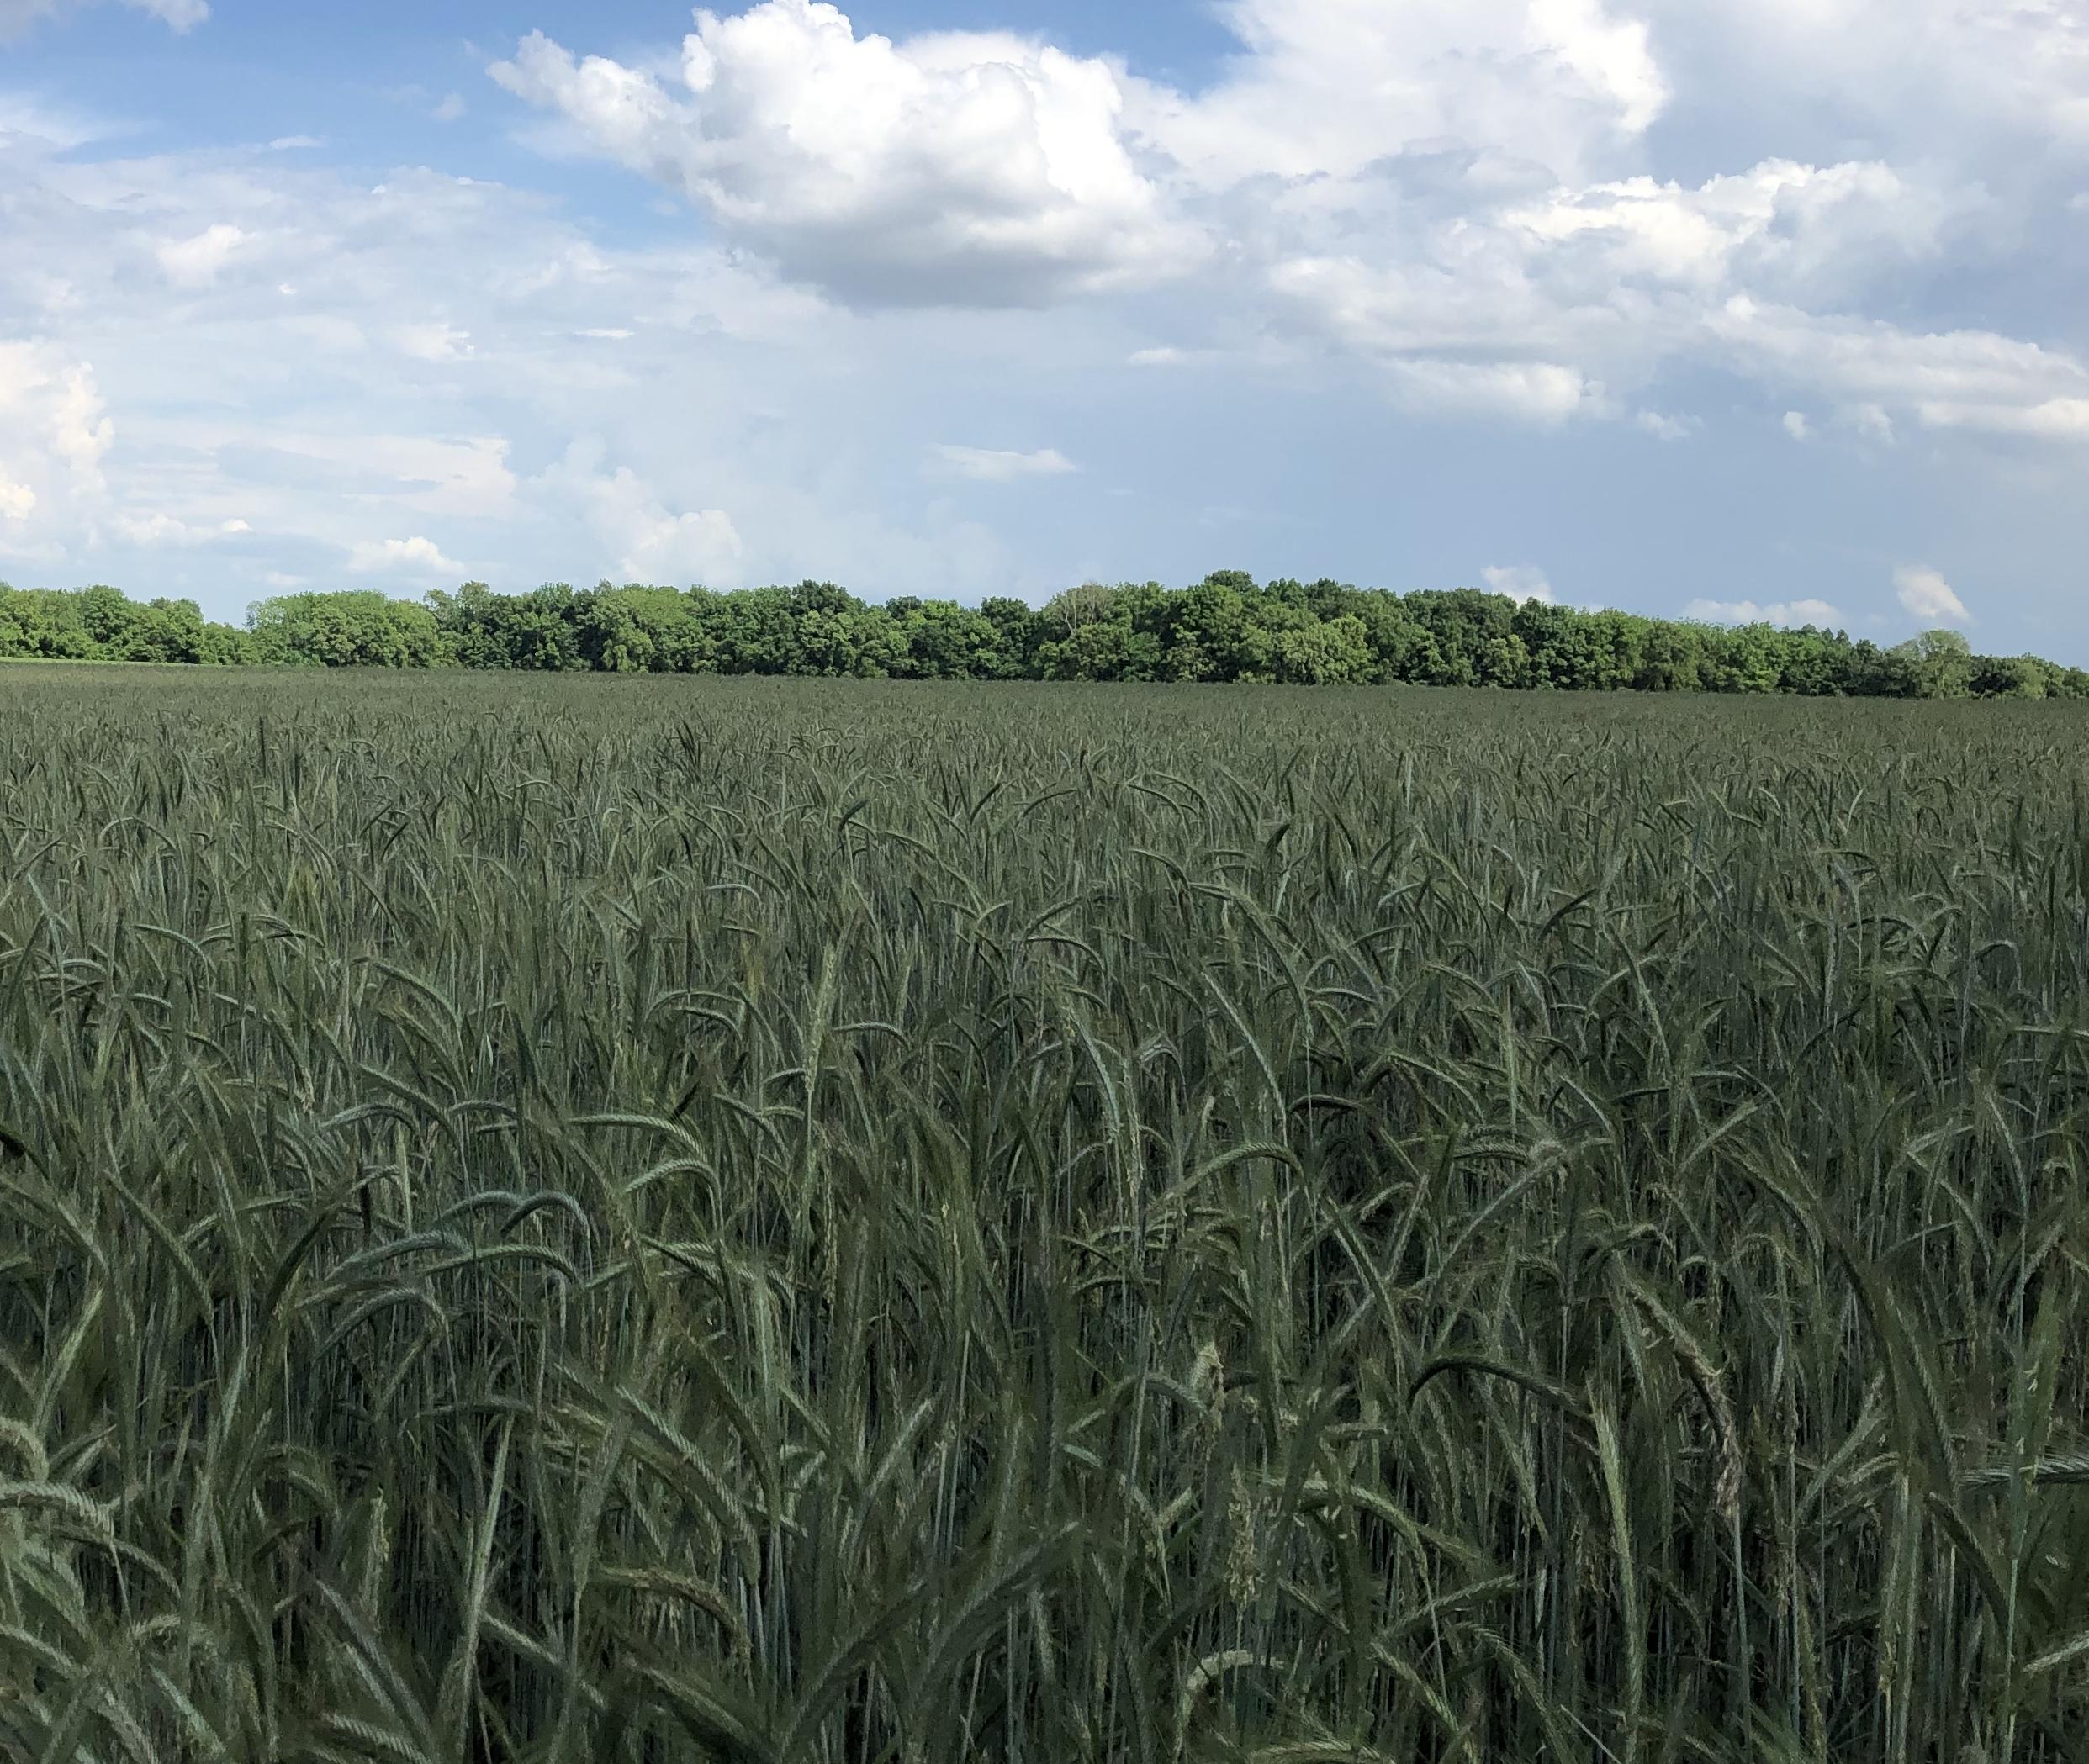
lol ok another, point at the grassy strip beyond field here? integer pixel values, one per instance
(552, 1220)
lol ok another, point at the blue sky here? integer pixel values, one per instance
(1723, 307)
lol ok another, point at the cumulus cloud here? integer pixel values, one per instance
(1968, 379)
(18, 502)
(1330, 87)
(401, 556)
(1777, 612)
(993, 465)
(55, 434)
(1978, 74)
(631, 521)
(1798, 425)
(960, 168)
(1462, 207)
(1924, 592)
(1780, 226)
(197, 262)
(1460, 193)
(1520, 582)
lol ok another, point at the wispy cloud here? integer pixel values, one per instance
(993, 465)
(1776, 612)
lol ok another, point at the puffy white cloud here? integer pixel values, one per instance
(1975, 380)
(1463, 206)
(960, 168)
(1778, 612)
(1327, 87)
(1780, 226)
(991, 465)
(55, 434)
(632, 522)
(197, 261)
(1460, 193)
(721, 388)
(416, 556)
(1798, 425)
(1520, 581)
(1975, 75)
(1924, 592)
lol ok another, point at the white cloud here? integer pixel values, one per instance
(1923, 75)
(1665, 428)
(1329, 88)
(55, 434)
(959, 168)
(1520, 582)
(450, 109)
(1871, 422)
(1456, 191)
(1924, 592)
(294, 143)
(432, 342)
(1780, 612)
(432, 475)
(17, 16)
(197, 261)
(1543, 392)
(401, 556)
(1779, 226)
(1460, 207)
(1974, 380)
(1798, 425)
(726, 390)
(162, 529)
(629, 518)
(991, 465)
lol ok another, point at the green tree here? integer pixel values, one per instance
(1937, 664)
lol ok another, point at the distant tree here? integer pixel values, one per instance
(2016, 676)
(1224, 628)
(1937, 664)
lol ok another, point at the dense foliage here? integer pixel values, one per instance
(629, 1221)
(1227, 628)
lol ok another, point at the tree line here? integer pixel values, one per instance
(1227, 627)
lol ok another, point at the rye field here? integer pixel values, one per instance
(784, 1222)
